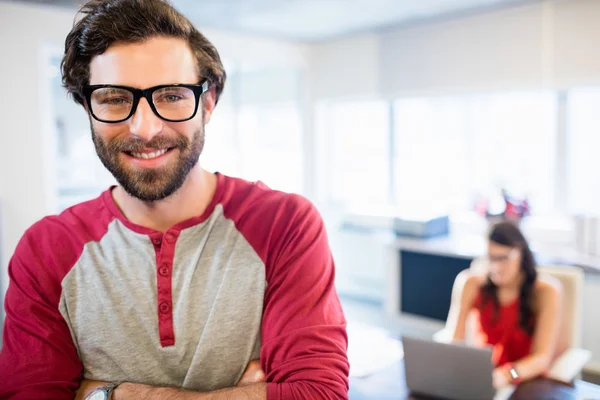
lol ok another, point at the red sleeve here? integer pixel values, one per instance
(38, 358)
(304, 338)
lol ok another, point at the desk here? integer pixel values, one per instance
(389, 384)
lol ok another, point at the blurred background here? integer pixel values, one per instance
(410, 124)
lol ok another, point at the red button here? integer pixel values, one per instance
(164, 307)
(171, 237)
(164, 270)
(157, 241)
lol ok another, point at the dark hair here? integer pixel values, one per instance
(508, 234)
(106, 22)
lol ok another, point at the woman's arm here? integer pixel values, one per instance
(545, 337)
(465, 289)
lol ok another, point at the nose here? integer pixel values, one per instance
(144, 123)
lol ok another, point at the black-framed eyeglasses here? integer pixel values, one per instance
(173, 103)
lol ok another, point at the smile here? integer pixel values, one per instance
(149, 156)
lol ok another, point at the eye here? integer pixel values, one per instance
(173, 94)
(116, 101)
(112, 97)
(171, 98)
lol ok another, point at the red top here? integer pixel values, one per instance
(511, 343)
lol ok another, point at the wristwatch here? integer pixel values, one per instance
(514, 375)
(103, 393)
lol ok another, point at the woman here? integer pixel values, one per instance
(516, 311)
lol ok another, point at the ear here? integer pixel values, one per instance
(209, 101)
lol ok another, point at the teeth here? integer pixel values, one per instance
(148, 156)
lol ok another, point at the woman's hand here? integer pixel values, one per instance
(501, 378)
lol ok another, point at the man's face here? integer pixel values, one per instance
(148, 156)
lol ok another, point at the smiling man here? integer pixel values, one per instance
(178, 283)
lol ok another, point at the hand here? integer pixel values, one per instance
(253, 374)
(501, 378)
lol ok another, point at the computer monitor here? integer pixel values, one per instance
(419, 288)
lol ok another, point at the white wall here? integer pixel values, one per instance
(26, 172)
(346, 67)
(576, 52)
(504, 49)
(257, 52)
(548, 44)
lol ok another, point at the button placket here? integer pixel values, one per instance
(164, 247)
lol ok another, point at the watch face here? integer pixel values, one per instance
(98, 394)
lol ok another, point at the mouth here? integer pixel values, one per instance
(149, 155)
(497, 276)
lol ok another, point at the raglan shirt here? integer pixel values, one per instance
(94, 296)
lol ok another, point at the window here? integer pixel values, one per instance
(358, 153)
(353, 164)
(265, 127)
(431, 155)
(583, 163)
(513, 145)
(220, 150)
(450, 150)
(270, 141)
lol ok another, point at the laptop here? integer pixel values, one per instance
(450, 371)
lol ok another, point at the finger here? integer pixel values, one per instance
(256, 375)
(253, 364)
(252, 374)
(244, 381)
(259, 376)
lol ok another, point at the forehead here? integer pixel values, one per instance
(495, 248)
(156, 61)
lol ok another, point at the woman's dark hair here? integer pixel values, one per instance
(106, 22)
(508, 234)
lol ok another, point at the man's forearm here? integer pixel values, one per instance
(131, 391)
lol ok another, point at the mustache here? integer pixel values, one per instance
(137, 144)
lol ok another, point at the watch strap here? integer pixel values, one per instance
(110, 388)
(512, 372)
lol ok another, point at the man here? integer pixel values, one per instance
(169, 285)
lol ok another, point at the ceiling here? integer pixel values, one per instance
(317, 20)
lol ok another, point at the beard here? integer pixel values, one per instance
(150, 184)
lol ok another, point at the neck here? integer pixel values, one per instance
(190, 200)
